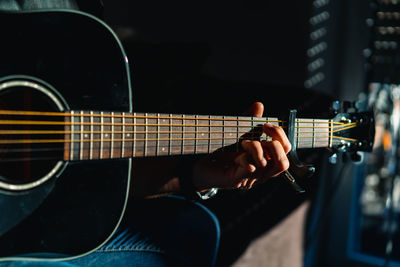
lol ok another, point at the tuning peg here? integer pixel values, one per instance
(335, 107)
(348, 106)
(333, 158)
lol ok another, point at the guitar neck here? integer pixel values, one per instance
(105, 135)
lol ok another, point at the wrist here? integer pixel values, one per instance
(190, 183)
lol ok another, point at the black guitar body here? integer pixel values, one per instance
(79, 57)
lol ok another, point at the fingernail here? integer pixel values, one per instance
(252, 168)
(263, 162)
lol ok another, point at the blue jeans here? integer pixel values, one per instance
(168, 231)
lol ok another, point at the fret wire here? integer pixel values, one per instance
(123, 136)
(183, 134)
(170, 135)
(72, 136)
(134, 137)
(237, 134)
(91, 136)
(145, 134)
(196, 133)
(297, 133)
(209, 135)
(158, 135)
(331, 134)
(81, 137)
(223, 131)
(101, 134)
(112, 135)
(313, 134)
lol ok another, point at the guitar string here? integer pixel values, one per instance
(245, 119)
(344, 128)
(43, 132)
(334, 125)
(176, 150)
(47, 123)
(46, 141)
(175, 143)
(26, 122)
(134, 153)
(178, 139)
(25, 141)
(52, 132)
(68, 114)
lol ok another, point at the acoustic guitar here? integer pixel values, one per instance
(68, 133)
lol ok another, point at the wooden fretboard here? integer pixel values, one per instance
(105, 135)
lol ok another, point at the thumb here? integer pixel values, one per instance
(256, 110)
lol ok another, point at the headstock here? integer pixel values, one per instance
(352, 132)
(349, 131)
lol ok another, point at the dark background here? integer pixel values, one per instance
(218, 57)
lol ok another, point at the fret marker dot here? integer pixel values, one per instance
(202, 134)
(163, 149)
(105, 135)
(86, 135)
(128, 135)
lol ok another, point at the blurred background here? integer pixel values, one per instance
(220, 56)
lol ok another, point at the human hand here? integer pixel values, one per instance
(259, 160)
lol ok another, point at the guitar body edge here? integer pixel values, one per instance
(78, 209)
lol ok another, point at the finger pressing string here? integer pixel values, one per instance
(278, 157)
(278, 134)
(255, 149)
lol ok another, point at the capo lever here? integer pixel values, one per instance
(295, 164)
(293, 183)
